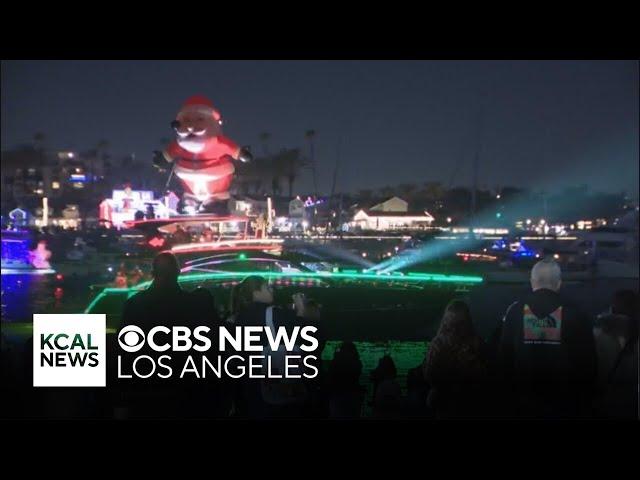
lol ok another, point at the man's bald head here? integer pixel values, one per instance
(166, 268)
(546, 274)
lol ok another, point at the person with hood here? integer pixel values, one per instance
(547, 352)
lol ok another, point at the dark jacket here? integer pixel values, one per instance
(457, 371)
(248, 397)
(170, 306)
(547, 354)
(174, 396)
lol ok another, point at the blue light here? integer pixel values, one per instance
(523, 251)
(499, 245)
(15, 250)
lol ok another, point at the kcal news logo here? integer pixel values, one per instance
(69, 350)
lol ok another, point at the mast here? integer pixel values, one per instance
(476, 161)
(333, 186)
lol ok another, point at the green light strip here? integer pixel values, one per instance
(396, 276)
(107, 291)
(426, 277)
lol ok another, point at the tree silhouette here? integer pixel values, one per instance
(365, 194)
(264, 139)
(310, 136)
(38, 140)
(387, 191)
(407, 190)
(433, 191)
(287, 164)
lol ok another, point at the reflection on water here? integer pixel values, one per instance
(24, 295)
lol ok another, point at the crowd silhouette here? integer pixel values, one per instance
(547, 359)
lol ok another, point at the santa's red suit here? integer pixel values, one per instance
(202, 155)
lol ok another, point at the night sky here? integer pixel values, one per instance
(545, 125)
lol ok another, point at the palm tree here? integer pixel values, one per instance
(249, 177)
(275, 185)
(264, 139)
(294, 163)
(310, 135)
(288, 163)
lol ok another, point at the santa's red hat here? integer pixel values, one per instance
(201, 104)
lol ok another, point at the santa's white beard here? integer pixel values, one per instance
(193, 145)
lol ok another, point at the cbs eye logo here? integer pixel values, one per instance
(131, 338)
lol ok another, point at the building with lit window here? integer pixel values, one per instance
(392, 214)
(28, 174)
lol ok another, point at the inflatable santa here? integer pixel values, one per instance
(201, 155)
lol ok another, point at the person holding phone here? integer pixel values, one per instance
(252, 304)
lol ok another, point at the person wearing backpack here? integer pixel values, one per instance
(547, 351)
(252, 305)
